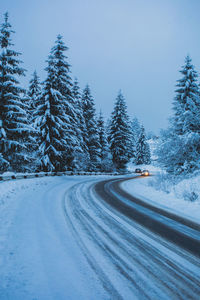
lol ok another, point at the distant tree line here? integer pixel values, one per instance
(53, 126)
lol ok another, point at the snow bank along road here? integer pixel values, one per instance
(84, 238)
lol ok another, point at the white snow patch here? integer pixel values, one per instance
(39, 258)
(8, 204)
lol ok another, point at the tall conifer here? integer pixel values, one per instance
(186, 104)
(92, 139)
(56, 115)
(120, 134)
(34, 93)
(82, 155)
(142, 155)
(14, 141)
(179, 151)
(105, 154)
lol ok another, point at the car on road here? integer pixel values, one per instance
(145, 173)
(138, 170)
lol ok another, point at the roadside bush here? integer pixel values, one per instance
(182, 187)
(190, 196)
(163, 182)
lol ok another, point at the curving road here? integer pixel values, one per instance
(137, 250)
(86, 238)
(174, 228)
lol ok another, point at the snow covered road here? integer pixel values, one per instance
(66, 242)
(137, 264)
(40, 258)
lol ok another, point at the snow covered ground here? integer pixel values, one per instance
(175, 197)
(32, 226)
(60, 241)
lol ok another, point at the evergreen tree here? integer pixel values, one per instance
(14, 141)
(31, 150)
(142, 149)
(105, 154)
(108, 126)
(82, 155)
(136, 129)
(186, 103)
(34, 92)
(179, 154)
(92, 139)
(56, 115)
(120, 134)
(179, 151)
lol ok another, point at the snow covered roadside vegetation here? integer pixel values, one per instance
(176, 151)
(181, 195)
(184, 188)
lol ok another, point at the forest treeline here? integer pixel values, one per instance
(53, 125)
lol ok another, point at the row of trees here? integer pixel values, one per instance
(179, 151)
(53, 126)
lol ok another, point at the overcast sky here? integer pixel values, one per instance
(137, 46)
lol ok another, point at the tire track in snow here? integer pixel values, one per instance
(182, 276)
(107, 285)
(176, 229)
(120, 249)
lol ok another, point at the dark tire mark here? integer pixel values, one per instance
(105, 190)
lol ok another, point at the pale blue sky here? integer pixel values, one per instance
(137, 46)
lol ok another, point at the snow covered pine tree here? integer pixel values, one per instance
(82, 154)
(180, 148)
(56, 116)
(142, 155)
(92, 138)
(15, 138)
(120, 134)
(136, 129)
(105, 155)
(34, 93)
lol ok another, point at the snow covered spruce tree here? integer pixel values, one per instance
(142, 155)
(34, 92)
(15, 138)
(105, 155)
(186, 104)
(82, 155)
(136, 129)
(179, 151)
(120, 134)
(92, 138)
(55, 117)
